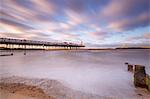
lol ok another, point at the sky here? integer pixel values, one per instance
(97, 23)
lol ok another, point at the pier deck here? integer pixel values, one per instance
(23, 43)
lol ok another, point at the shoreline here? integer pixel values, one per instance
(14, 87)
(4, 94)
(23, 90)
(77, 49)
(41, 89)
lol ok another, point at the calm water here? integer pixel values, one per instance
(99, 72)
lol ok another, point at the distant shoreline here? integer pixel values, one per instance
(77, 49)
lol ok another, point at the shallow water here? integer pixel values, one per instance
(100, 72)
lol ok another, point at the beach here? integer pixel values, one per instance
(25, 88)
(40, 89)
(8, 95)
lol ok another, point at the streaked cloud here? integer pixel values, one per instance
(14, 23)
(95, 22)
(144, 38)
(147, 35)
(132, 23)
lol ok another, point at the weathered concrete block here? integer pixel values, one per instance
(148, 82)
(130, 68)
(140, 76)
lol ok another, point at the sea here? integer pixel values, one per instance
(101, 72)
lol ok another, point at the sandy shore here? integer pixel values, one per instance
(26, 88)
(4, 94)
(19, 91)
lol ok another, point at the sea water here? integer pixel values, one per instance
(101, 72)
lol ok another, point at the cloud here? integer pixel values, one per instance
(145, 38)
(147, 35)
(99, 35)
(12, 8)
(117, 9)
(123, 15)
(13, 23)
(89, 20)
(132, 23)
(74, 18)
(44, 6)
(26, 35)
(9, 28)
(70, 37)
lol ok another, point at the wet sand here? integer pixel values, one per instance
(26, 88)
(19, 91)
(4, 94)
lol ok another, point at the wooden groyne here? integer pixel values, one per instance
(141, 79)
(130, 68)
(140, 76)
(148, 81)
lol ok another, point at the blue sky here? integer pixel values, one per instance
(98, 23)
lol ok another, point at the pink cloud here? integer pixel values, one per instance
(127, 24)
(120, 8)
(99, 35)
(44, 6)
(116, 7)
(136, 39)
(75, 18)
(147, 35)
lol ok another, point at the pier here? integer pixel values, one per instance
(9, 43)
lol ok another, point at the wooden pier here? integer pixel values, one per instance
(9, 43)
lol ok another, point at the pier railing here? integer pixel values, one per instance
(23, 42)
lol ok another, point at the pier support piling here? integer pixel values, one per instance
(24, 49)
(40, 45)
